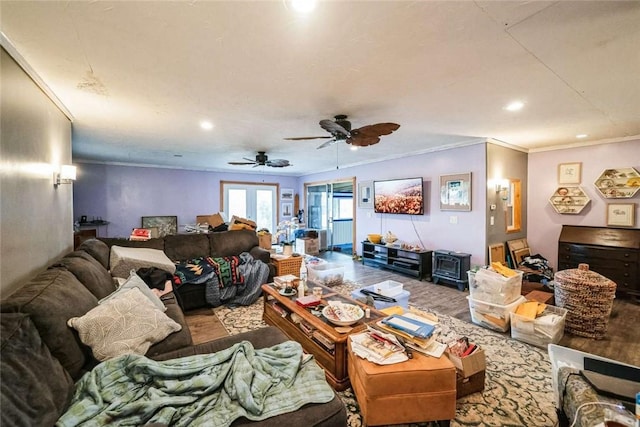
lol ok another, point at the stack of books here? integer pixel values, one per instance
(140, 234)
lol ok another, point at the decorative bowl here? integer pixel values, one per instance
(354, 312)
(374, 238)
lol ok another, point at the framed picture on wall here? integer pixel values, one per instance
(287, 210)
(365, 194)
(621, 214)
(569, 173)
(286, 194)
(455, 192)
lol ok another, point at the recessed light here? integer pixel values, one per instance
(206, 125)
(303, 6)
(354, 148)
(514, 106)
(582, 135)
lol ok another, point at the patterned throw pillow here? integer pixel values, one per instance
(128, 323)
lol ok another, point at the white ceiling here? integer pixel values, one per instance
(138, 77)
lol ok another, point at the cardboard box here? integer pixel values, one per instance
(469, 365)
(238, 223)
(213, 220)
(307, 246)
(469, 385)
(264, 241)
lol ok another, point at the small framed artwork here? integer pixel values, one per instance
(286, 194)
(365, 194)
(455, 192)
(287, 210)
(165, 224)
(621, 214)
(569, 173)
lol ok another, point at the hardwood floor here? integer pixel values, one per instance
(621, 343)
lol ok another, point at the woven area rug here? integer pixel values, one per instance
(518, 388)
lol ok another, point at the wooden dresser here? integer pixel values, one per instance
(612, 252)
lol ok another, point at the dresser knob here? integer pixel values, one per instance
(626, 255)
(626, 264)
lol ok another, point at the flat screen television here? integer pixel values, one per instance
(398, 196)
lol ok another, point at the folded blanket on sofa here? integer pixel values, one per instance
(207, 389)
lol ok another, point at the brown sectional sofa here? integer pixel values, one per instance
(41, 357)
(183, 247)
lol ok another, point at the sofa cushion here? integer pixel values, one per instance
(97, 249)
(51, 298)
(89, 272)
(35, 388)
(226, 243)
(134, 281)
(176, 340)
(125, 259)
(183, 247)
(128, 323)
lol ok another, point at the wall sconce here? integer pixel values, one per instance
(66, 175)
(502, 188)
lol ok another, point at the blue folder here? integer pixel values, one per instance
(410, 326)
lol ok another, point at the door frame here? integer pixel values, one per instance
(352, 179)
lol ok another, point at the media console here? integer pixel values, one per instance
(413, 263)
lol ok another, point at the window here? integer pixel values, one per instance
(253, 201)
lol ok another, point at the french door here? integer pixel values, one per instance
(254, 201)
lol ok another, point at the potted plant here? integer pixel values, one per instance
(285, 236)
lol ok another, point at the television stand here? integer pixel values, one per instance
(451, 268)
(413, 263)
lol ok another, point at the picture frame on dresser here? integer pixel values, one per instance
(569, 173)
(165, 224)
(621, 214)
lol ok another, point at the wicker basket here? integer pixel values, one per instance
(289, 265)
(588, 297)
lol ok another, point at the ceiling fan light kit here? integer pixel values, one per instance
(340, 130)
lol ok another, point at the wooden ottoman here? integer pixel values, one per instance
(420, 389)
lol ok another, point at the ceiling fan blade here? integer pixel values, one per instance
(242, 163)
(333, 127)
(278, 163)
(302, 138)
(327, 144)
(376, 130)
(363, 140)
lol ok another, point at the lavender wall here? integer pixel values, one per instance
(545, 224)
(123, 194)
(434, 229)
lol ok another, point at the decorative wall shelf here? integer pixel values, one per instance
(620, 183)
(569, 200)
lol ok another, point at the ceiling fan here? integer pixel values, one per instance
(340, 130)
(263, 160)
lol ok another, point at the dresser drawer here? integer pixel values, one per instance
(569, 251)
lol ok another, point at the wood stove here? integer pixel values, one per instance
(451, 268)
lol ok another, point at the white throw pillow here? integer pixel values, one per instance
(128, 323)
(134, 281)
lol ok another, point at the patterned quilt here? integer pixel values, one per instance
(207, 389)
(231, 281)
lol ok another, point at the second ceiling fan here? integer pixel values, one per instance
(340, 130)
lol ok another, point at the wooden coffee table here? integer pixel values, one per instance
(300, 324)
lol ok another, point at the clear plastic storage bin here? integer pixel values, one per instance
(402, 299)
(493, 316)
(548, 328)
(389, 288)
(328, 274)
(488, 286)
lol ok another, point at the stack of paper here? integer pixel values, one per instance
(417, 329)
